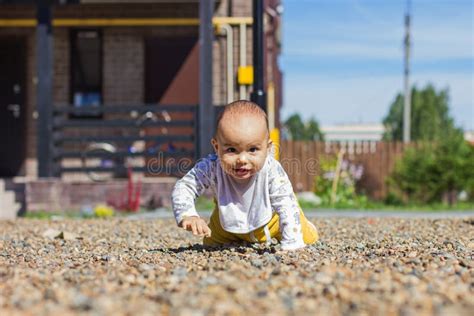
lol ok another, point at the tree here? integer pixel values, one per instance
(295, 127)
(312, 130)
(430, 118)
(299, 130)
(443, 163)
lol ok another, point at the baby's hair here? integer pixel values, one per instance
(240, 107)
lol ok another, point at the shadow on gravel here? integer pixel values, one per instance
(240, 248)
(469, 221)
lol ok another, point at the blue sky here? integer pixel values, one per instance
(343, 59)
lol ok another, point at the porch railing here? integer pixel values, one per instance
(74, 129)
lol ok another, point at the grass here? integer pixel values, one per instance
(461, 206)
(50, 215)
(380, 206)
(70, 214)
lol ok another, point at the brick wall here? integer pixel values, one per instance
(123, 66)
(56, 195)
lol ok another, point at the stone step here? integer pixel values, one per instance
(17, 188)
(8, 207)
(19, 196)
(9, 212)
(8, 196)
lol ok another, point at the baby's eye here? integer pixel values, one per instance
(230, 150)
(253, 149)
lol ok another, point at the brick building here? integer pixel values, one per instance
(123, 52)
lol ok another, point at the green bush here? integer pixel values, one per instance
(434, 172)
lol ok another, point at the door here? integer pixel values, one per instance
(12, 105)
(172, 78)
(172, 70)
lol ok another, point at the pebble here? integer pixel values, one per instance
(118, 266)
(323, 278)
(257, 263)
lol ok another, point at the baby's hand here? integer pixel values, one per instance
(196, 225)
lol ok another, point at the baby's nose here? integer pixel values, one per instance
(242, 158)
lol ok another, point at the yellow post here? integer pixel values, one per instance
(274, 132)
(275, 137)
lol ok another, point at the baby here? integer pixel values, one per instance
(254, 197)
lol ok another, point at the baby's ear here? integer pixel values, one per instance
(271, 148)
(214, 144)
(270, 144)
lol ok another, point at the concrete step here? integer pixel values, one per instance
(9, 208)
(9, 211)
(9, 205)
(17, 188)
(8, 196)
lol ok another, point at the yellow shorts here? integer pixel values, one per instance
(219, 236)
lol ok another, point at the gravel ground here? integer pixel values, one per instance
(361, 266)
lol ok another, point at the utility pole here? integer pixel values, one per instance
(407, 101)
(258, 94)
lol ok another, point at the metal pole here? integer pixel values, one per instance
(44, 44)
(206, 108)
(258, 94)
(407, 102)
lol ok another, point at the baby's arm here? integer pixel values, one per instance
(284, 202)
(184, 195)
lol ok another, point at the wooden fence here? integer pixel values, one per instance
(301, 160)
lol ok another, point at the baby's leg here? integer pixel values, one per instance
(218, 235)
(310, 233)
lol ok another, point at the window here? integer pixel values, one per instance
(86, 69)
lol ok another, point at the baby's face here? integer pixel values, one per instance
(242, 145)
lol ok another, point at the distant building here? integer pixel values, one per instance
(469, 136)
(353, 132)
(355, 138)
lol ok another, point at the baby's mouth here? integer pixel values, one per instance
(241, 171)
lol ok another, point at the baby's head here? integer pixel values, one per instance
(242, 139)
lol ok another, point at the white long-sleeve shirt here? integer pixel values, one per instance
(242, 207)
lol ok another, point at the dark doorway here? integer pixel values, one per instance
(172, 70)
(12, 105)
(172, 78)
